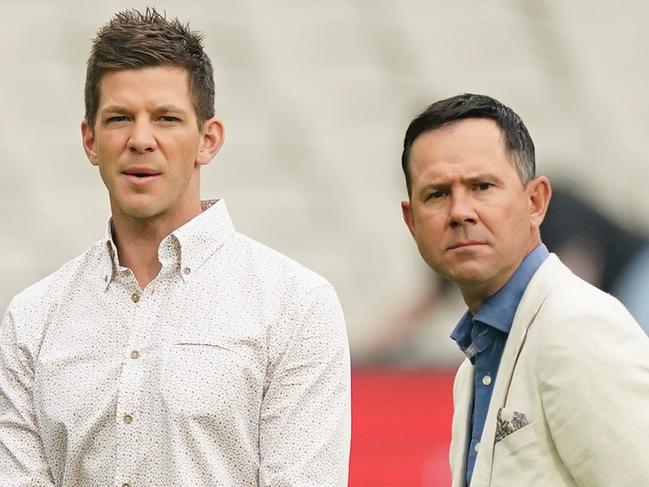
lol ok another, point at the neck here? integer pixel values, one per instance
(474, 301)
(138, 240)
(475, 296)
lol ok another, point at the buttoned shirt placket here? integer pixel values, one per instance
(131, 379)
(141, 315)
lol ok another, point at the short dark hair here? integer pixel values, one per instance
(136, 40)
(518, 141)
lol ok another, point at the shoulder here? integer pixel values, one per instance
(575, 306)
(295, 301)
(579, 325)
(271, 267)
(301, 309)
(31, 307)
(565, 303)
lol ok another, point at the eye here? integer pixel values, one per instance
(169, 119)
(483, 186)
(437, 194)
(117, 119)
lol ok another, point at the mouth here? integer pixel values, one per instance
(140, 175)
(466, 244)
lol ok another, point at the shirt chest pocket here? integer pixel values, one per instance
(205, 377)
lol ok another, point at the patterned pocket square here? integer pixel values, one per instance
(509, 422)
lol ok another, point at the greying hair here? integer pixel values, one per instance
(518, 141)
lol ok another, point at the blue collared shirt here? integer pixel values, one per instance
(482, 338)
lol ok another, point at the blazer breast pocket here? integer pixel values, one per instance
(516, 452)
(522, 457)
(517, 440)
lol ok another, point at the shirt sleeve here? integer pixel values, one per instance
(595, 393)
(305, 414)
(22, 459)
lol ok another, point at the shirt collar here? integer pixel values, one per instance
(499, 309)
(186, 248)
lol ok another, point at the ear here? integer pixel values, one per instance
(408, 217)
(212, 137)
(539, 193)
(88, 141)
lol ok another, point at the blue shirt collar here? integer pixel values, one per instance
(499, 309)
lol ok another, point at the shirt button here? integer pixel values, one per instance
(128, 419)
(135, 297)
(187, 270)
(477, 447)
(135, 355)
(486, 380)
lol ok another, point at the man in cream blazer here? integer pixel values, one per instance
(565, 399)
(576, 365)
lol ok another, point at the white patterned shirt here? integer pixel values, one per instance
(231, 368)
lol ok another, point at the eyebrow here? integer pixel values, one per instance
(481, 177)
(471, 178)
(170, 108)
(161, 109)
(476, 178)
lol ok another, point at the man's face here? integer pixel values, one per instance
(470, 214)
(147, 144)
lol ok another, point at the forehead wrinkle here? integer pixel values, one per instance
(122, 109)
(114, 109)
(445, 181)
(126, 84)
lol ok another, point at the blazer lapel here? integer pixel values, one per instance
(544, 280)
(463, 394)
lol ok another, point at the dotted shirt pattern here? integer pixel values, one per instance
(231, 368)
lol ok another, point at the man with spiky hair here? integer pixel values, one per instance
(175, 351)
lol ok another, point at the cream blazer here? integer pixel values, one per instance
(570, 404)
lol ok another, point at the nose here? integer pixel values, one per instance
(462, 210)
(142, 138)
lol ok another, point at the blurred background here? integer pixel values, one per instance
(315, 98)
